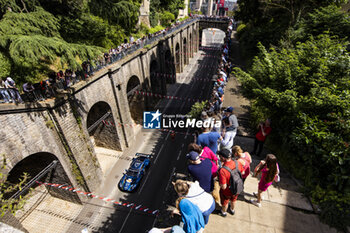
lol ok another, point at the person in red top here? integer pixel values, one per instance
(224, 179)
(260, 137)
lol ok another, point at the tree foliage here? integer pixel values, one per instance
(9, 206)
(158, 7)
(305, 91)
(100, 32)
(326, 19)
(269, 21)
(32, 40)
(124, 13)
(166, 18)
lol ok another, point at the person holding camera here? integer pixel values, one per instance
(260, 137)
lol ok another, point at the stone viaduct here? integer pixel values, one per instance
(32, 135)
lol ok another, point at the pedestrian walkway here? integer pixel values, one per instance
(284, 208)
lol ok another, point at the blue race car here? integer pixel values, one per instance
(134, 174)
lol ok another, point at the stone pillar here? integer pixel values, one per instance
(182, 55)
(183, 12)
(199, 4)
(197, 37)
(144, 13)
(210, 7)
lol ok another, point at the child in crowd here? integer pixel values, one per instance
(269, 172)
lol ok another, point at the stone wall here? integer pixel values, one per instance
(27, 133)
(59, 127)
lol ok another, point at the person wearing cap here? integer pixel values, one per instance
(233, 122)
(224, 179)
(200, 170)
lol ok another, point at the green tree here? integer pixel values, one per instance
(305, 91)
(124, 13)
(31, 42)
(269, 21)
(325, 19)
(6, 188)
(91, 30)
(159, 6)
(166, 18)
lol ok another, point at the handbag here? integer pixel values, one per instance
(277, 178)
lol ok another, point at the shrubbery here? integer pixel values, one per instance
(303, 84)
(166, 18)
(305, 91)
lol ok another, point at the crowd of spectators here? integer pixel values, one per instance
(62, 80)
(213, 159)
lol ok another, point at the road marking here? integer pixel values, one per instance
(188, 129)
(161, 148)
(178, 155)
(166, 138)
(148, 174)
(126, 219)
(171, 176)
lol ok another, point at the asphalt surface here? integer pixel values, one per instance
(168, 157)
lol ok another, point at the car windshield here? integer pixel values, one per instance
(131, 173)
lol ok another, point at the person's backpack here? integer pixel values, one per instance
(236, 181)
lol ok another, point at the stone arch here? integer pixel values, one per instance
(177, 58)
(155, 77)
(35, 164)
(218, 37)
(136, 101)
(185, 51)
(191, 46)
(170, 71)
(102, 127)
(195, 41)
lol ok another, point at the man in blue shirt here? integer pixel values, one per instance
(200, 170)
(209, 139)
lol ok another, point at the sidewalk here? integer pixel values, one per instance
(284, 208)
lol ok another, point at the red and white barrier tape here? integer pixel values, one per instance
(210, 48)
(144, 93)
(173, 76)
(139, 207)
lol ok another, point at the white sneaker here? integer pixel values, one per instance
(254, 202)
(256, 195)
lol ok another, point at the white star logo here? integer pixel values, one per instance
(156, 115)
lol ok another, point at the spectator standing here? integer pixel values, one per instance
(191, 217)
(260, 136)
(269, 172)
(200, 170)
(226, 195)
(195, 194)
(11, 85)
(209, 139)
(245, 158)
(205, 153)
(233, 122)
(228, 136)
(4, 91)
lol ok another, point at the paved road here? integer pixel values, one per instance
(168, 156)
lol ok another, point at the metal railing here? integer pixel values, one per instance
(90, 67)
